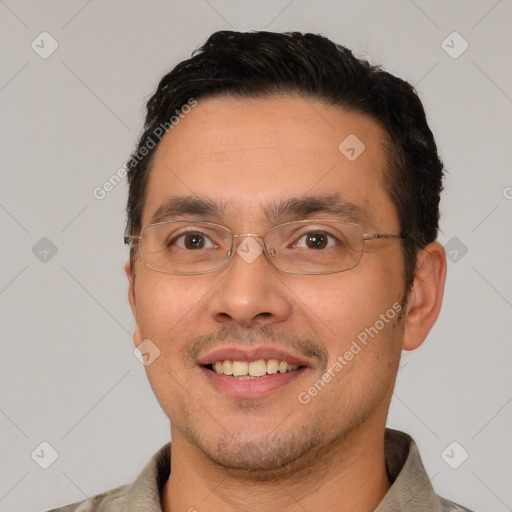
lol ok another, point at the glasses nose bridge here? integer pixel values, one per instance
(249, 235)
(245, 235)
(238, 235)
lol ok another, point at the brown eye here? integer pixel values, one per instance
(194, 241)
(317, 241)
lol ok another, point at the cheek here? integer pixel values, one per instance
(167, 306)
(342, 305)
(167, 311)
(354, 316)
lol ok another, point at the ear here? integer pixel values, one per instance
(426, 295)
(137, 336)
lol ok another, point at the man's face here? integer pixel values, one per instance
(249, 157)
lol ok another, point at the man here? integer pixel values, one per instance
(282, 216)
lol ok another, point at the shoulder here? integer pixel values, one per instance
(110, 501)
(450, 506)
(142, 494)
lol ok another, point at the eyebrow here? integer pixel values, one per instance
(294, 207)
(187, 205)
(306, 206)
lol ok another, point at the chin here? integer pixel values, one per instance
(259, 456)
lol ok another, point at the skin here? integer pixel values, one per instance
(274, 452)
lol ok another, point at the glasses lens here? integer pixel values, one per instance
(185, 247)
(315, 247)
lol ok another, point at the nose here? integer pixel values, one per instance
(250, 292)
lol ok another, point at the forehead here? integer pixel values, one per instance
(251, 155)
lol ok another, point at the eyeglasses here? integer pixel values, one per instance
(298, 247)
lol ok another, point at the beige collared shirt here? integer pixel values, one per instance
(411, 490)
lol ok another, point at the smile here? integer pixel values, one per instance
(252, 369)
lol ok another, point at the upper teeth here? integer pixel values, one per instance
(254, 368)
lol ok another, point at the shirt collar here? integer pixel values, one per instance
(410, 491)
(411, 488)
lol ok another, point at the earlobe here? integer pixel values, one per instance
(137, 336)
(131, 286)
(426, 296)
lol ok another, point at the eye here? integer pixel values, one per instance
(192, 241)
(316, 240)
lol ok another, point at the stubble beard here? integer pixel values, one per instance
(295, 445)
(279, 455)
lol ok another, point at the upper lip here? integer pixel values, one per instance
(249, 354)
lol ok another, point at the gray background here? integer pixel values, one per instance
(69, 121)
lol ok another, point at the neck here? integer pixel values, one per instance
(347, 476)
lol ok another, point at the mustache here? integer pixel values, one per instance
(259, 335)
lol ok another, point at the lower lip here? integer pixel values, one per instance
(251, 388)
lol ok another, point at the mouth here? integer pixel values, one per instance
(251, 374)
(251, 369)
